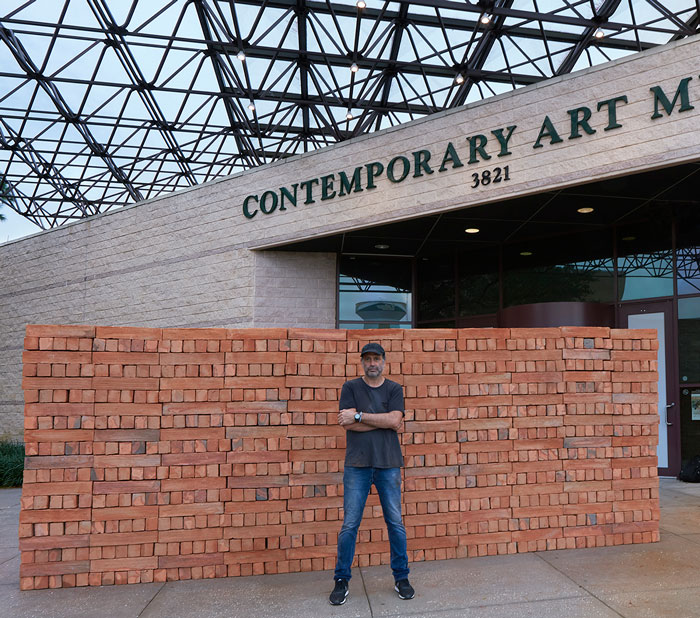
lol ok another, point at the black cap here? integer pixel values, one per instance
(373, 348)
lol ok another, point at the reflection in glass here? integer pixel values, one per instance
(374, 292)
(478, 282)
(574, 268)
(689, 340)
(644, 263)
(436, 288)
(690, 423)
(688, 267)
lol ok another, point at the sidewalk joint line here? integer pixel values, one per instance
(151, 601)
(537, 553)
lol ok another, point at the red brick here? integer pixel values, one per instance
(62, 330)
(127, 332)
(123, 564)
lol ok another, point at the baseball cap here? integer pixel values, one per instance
(373, 348)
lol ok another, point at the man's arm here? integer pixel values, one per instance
(385, 420)
(346, 419)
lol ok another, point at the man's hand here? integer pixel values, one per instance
(346, 416)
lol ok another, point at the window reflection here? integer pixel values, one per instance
(689, 339)
(573, 268)
(374, 292)
(644, 263)
(688, 254)
(478, 281)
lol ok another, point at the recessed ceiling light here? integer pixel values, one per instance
(241, 55)
(381, 246)
(628, 238)
(585, 210)
(485, 19)
(354, 68)
(349, 115)
(526, 253)
(459, 79)
(472, 230)
(361, 4)
(599, 33)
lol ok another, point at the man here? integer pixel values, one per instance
(371, 411)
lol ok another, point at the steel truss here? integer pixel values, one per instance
(108, 102)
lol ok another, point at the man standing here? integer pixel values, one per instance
(371, 411)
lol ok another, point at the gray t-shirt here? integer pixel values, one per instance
(378, 448)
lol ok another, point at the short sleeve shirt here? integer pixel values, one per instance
(378, 448)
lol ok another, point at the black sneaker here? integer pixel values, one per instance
(340, 592)
(404, 589)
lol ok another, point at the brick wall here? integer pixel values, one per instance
(164, 454)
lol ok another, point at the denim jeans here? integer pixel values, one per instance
(357, 483)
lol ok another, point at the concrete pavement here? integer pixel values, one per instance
(635, 581)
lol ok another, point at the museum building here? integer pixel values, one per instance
(573, 201)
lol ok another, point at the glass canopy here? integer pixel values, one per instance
(107, 102)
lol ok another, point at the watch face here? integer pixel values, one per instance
(357, 416)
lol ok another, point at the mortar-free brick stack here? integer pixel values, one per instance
(170, 454)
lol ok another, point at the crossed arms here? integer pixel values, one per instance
(385, 420)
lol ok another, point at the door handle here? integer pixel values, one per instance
(670, 405)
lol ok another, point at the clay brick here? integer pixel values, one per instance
(125, 358)
(241, 482)
(218, 451)
(125, 461)
(216, 482)
(123, 564)
(193, 433)
(62, 330)
(122, 538)
(53, 515)
(317, 454)
(57, 489)
(55, 568)
(263, 333)
(124, 512)
(268, 456)
(47, 462)
(194, 333)
(127, 435)
(171, 562)
(126, 487)
(58, 435)
(56, 357)
(199, 407)
(127, 332)
(585, 354)
(46, 543)
(57, 383)
(59, 409)
(126, 409)
(144, 384)
(244, 557)
(193, 459)
(184, 536)
(197, 508)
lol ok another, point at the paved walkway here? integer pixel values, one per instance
(636, 581)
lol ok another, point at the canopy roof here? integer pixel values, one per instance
(107, 102)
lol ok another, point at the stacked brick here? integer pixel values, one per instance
(170, 454)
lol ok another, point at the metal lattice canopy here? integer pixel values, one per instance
(107, 102)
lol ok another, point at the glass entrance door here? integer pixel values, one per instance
(659, 315)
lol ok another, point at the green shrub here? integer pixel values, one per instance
(11, 463)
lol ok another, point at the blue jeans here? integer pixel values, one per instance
(357, 483)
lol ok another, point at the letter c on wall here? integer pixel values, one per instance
(246, 212)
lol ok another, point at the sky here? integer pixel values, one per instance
(15, 225)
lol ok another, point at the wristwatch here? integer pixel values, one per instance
(358, 417)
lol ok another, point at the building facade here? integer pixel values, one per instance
(569, 202)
